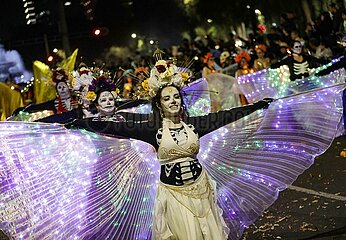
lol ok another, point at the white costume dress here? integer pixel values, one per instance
(189, 211)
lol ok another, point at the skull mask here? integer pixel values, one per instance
(63, 90)
(106, 103)
(297, 48)
(224, 56)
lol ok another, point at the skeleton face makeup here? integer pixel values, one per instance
(170, 102)
(106, 103)
(224, 56)
(297, 48)
(63, 90)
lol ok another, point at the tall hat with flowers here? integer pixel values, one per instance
(102, 81)
(164, 73)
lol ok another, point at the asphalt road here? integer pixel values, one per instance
(314, 207)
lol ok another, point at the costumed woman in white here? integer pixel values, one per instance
(185, 205)
(57, 183)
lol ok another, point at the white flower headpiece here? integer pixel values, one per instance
(82, 78)
(163, 74)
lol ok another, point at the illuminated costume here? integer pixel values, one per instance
(89, 186)
(299, 65)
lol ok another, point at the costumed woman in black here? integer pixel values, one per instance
(299, 64)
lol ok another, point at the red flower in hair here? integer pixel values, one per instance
(59, 75)
(241, 55)
(207, 57)
(261, 47)
(161, 68)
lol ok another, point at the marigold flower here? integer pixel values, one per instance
(91, 96)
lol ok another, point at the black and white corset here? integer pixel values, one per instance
(179, 173)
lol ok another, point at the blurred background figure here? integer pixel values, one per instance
(243, 59)
(262, 61)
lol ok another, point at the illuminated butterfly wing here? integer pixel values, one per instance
(196, 97)
(275, 83)
(256, 157)
(62, 184)
(222, 91)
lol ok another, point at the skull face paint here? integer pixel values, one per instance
(106, 103)
(297, 48)
(63, 90)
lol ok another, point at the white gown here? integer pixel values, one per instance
(186, 212)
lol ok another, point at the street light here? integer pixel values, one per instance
(151, 42)
(97, 32)
(101, 31)
(133, 35)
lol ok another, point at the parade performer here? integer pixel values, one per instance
(299, 64)
(73, 184)
(209, 65)
(243, 59)
(65, 101)
(185, 206)
(261, 62)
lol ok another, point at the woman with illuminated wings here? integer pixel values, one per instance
(217, 173)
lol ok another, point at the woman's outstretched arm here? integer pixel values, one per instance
(213, 121)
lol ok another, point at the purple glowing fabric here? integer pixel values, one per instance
(61, 184)
(275, 83)
(224, 92)
(258, 156)
(196, 97)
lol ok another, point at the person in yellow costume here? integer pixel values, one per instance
(10, 100)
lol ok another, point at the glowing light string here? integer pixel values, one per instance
(275, 83)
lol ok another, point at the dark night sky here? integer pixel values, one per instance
(162, 20)
(158, 19)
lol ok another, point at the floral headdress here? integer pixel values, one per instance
(82, 78)
(59, 75)
(164, 74)
(242, 55)
(207, 57)
(100, 83)
(261, 47)
(141, 70)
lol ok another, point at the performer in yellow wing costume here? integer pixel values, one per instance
(10, 100)
(44, 89)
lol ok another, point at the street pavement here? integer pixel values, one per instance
(314, 207)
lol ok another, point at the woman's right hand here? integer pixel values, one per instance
(265, 102)
(71, 124)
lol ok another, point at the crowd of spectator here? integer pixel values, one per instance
(320, 39)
